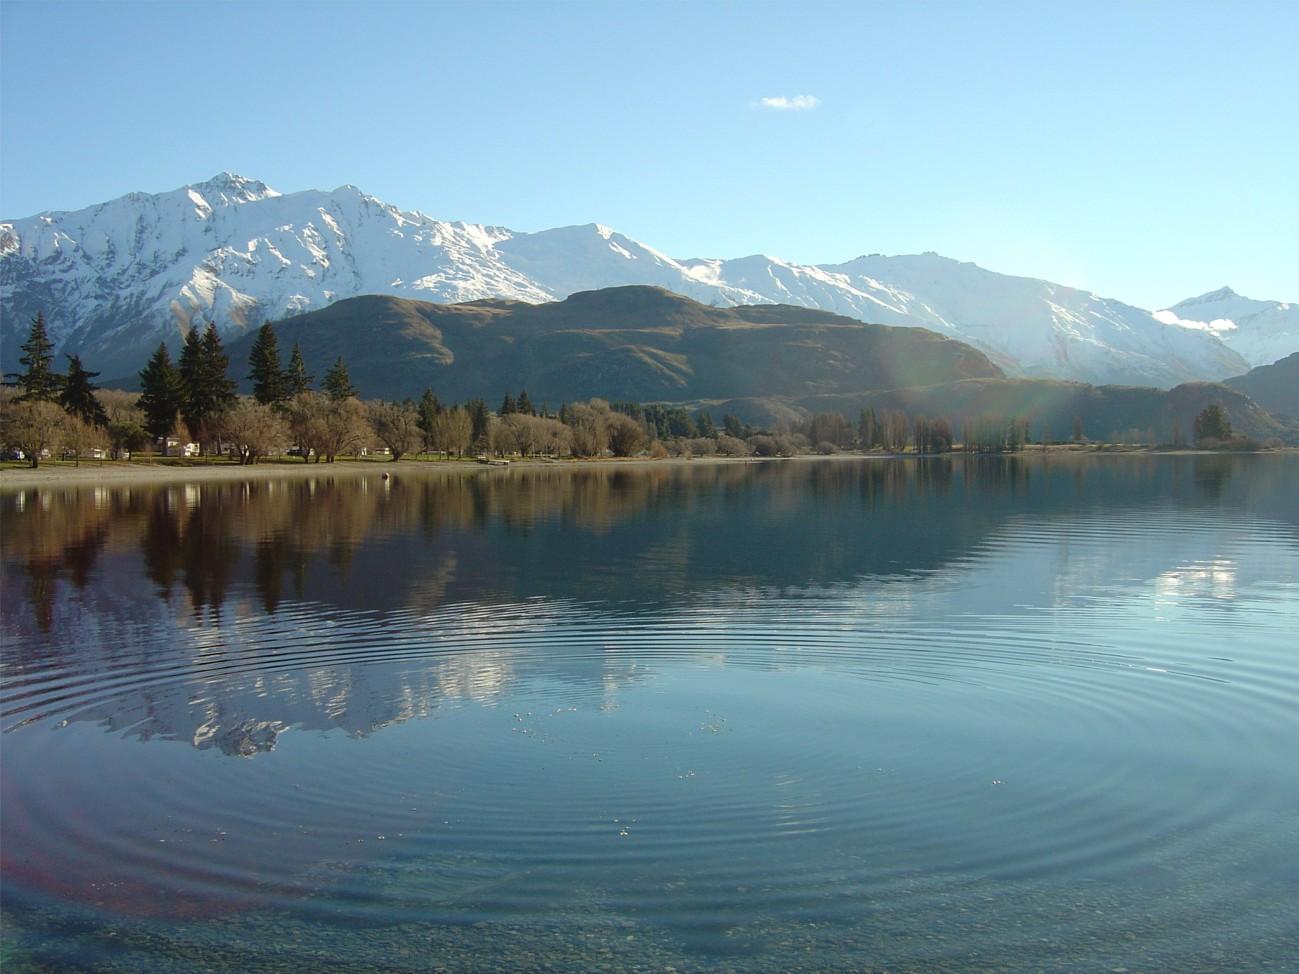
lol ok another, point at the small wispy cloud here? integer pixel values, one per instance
(1218, 326)
(798, 103)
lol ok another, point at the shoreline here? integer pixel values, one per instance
(130, 473)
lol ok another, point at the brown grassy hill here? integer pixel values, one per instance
(1275, 387)
(627, 343)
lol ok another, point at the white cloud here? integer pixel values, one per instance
(1217, 326)
(799, 103)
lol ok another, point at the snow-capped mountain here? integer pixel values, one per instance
(115, 278)
(1262, 332)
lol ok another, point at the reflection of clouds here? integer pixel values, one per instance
(1212, 579)
(1029, 564)
(471, 676)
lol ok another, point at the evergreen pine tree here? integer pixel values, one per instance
(524, 404)
(338, 383)
(39, 382)
(269, 381)
(429, 409)
(868, 429)
(161, 393)
(1212, 423)
(508, 405)
(190, 371)
(296, 379)
(78, 396)
(222, 391)
(208, 390)
(478, 418)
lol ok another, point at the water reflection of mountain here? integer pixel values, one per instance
(225, 613)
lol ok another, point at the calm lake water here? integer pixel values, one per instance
(1016, 715)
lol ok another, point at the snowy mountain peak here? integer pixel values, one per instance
(1262, 332)
(230, 189)
(1223, 293)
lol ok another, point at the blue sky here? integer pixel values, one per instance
(1147, 151)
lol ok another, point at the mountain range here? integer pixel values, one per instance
(114, 279)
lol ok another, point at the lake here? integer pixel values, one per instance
(1014, 715)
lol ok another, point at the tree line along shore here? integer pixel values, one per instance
(192, 406)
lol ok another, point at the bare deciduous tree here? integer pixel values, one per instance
(305, 416)
(556, 438)
(82, 438)
(346, 428)
(590, 429)
(626, 436)
(732, 446)
(522, 432)
(397, 426)
(255, 430)
(33, 426)
(453, 431)
(327, 427)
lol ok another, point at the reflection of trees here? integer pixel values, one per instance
(53, 538)
(191, 535)
(160, 544)
(208, 552)
(997, 473)
(1212, 474)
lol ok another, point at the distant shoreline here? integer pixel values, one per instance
(114, 473)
